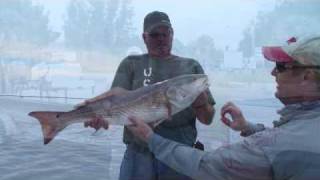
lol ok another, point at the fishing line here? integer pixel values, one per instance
(48, 97)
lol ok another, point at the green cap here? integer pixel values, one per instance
(155, 19)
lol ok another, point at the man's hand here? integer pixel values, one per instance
(140, 129)
(202, 100)
(238, 122)
(203, 109)
(97, 123)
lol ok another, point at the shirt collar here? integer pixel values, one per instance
(289, 112)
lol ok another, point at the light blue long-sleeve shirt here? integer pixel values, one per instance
(237, 161)
(251, 158)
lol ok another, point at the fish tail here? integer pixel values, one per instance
(51, 125)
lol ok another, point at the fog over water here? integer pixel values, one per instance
(223, 20)
(56, 53)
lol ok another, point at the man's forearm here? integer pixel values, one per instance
(251, 129)
(182, 158)
(237, 161)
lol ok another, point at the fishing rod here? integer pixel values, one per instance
(48, 97)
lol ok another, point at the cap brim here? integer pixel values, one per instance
(158, 25)
(276, 54)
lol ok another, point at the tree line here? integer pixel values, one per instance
(103, 26)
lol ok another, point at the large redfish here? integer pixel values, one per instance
(154, 103)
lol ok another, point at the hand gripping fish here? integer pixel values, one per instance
(154, 103)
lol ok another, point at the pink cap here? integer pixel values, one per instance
(305, 51)
(276, 54)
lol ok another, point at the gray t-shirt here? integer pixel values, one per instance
(141, 70)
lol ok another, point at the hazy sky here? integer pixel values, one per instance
(224, 20)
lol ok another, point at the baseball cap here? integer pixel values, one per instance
(155, 19)
(305, 51)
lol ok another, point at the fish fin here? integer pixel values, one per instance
(111, 93)
(107, 94)
(51, 125)
(117, 91)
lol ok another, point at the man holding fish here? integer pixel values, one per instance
(143, 70)
(158, 87)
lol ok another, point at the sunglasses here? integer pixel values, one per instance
(281, 67)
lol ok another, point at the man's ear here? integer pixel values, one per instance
(144, 36)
